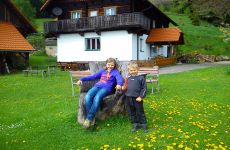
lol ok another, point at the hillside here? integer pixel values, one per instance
(205, 39)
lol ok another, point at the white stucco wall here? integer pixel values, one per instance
(117, 44)
(145, 53)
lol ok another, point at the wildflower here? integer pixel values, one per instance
(169, 147)
(187, 148)
(181, 145)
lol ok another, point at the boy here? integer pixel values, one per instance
(135, 86)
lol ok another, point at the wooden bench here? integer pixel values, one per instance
(45, 70)
(31, 71)
(152, 76)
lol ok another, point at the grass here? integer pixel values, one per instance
(204, 39)
(42, 60)
(40, 23)
(190, 111)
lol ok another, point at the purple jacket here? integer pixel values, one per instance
(107, 82)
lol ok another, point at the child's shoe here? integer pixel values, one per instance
(86, 124)
(92, 123)
(144, 127)
(134, 128)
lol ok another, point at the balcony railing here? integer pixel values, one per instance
(98, 23)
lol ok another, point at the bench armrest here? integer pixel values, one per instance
(86, 85)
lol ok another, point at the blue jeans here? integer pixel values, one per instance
(93, 100)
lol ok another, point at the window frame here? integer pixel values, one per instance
(75, 11)
(112, 8)
(92, 46)
(141, 45)
(93, 11)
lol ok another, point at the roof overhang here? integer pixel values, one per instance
(27, 24)
(165, 36)
(12, 40)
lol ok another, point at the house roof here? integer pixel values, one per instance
(165, 35)
(12, 40)
(47, 2)
(44, 5)
(27, 26)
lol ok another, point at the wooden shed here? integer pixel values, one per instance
(14, 48)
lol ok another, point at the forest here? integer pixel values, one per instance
(213, 11)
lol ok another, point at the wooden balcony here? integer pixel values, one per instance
(128, 21)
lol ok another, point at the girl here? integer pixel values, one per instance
(109, 78)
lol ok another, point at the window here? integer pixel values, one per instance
(140, 45)
(154, 24)
(92, 44)
(153, 52)
(110, 11)
(93, 13)
(75, 14)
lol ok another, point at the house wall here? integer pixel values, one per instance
(144, 51)
(117, 44)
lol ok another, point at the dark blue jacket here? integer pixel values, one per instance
(136, 86)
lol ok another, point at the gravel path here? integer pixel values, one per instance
(187, 67)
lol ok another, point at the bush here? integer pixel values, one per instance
(37, 41)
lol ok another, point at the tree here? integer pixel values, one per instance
(37, 4)
(214, 11)
(26, 8)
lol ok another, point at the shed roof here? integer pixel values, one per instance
(28, 28)
(12, 40)
(165, 35)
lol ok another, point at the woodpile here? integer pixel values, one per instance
(201, 58)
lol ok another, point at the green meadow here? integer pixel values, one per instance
(203, 39)
(191, 111)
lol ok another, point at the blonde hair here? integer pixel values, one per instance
(133, 64)
(112, 60)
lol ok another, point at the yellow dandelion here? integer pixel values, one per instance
(187, 137)
(221, 147)
(150, 145)
(140, 145)
(105, 146)
(169, 147)
(187, 148)
(181, 145)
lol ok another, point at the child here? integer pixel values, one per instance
(109, 79)
(136, 91)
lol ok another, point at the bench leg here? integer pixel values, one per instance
(152, 87)
(26, 73)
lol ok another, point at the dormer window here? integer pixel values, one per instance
(75, 14)
(110, 11)
(93, 13)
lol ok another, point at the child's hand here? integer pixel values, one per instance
(139, 99)
(123, 88)
(118, 87)
(79, 82)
